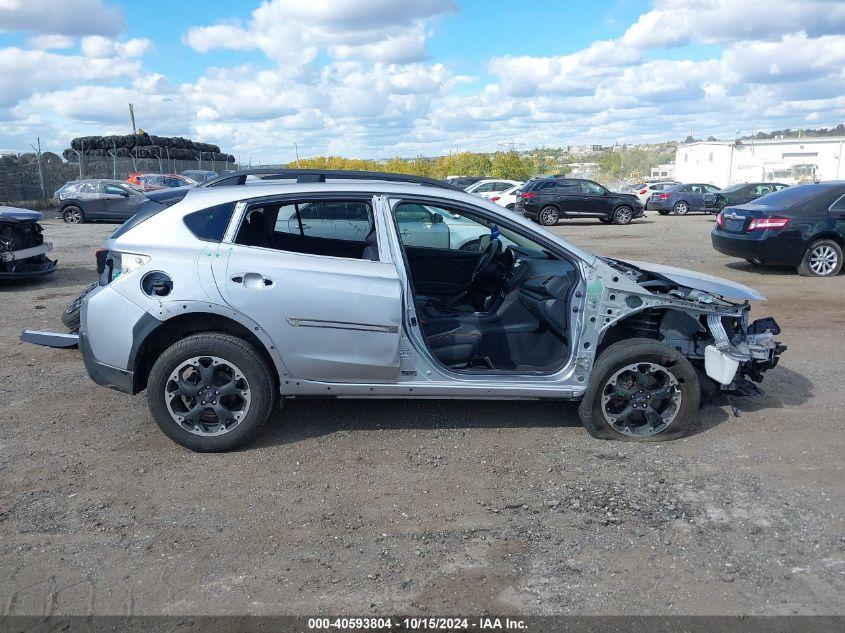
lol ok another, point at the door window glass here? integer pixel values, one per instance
(115, 190)
(338, 228)
(591, 189)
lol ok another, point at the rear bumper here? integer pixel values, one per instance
(37, 266)
(103, 374)
(771, 249)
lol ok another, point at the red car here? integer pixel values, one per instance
(151, 182)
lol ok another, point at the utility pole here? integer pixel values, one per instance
(132, 118)
(40, 169)
(295, 148)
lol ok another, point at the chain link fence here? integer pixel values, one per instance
(20, 181)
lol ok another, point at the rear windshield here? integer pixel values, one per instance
(147, 210)
(794, 195)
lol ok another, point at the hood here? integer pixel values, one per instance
(13, 214)
(700, 281)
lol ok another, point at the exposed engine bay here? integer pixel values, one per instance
(22, 247)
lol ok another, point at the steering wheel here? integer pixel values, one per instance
(486, 265)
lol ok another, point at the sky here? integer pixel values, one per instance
(383, 78)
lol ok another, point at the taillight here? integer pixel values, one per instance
(768, 223)
(494, 198)
(720, 221)
(528, 195)
(643, 192)
(662, 196)
(100, 256)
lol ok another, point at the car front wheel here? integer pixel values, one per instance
(640, 390)
(623, 215)
(822, 259)
(210, 392)
(73, 215)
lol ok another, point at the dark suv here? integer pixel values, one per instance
(547, 200)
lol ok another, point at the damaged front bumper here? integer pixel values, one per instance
(738, 363)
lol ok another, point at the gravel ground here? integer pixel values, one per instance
(425, 506)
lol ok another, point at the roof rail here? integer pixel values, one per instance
(320, 175)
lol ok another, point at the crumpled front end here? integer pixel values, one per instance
(741, 352)
(23, 249)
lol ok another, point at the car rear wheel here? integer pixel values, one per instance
(822, 259)
(681, 208)
(549, 216)
(623, 215)
(73, 215)
(640, 390)
(210, 392)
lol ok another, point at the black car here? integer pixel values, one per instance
(739, 194)
(801, 226)
(547, 200)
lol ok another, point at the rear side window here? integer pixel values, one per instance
(210, 224)
(333, 228)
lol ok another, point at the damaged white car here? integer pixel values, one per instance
(275, 284)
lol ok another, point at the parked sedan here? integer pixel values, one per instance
(801, 226)
(649, 189)
(99, 200)
(492, 187)
(681, 199)
(739, 194)
(507, 198)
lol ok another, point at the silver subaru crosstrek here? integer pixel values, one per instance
(285, 283)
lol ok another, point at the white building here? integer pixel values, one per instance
(663, 172)
(788, 160)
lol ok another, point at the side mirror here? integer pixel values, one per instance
(436, 218)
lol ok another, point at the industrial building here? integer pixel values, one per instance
(788, 160)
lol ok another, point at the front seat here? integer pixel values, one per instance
(454, 342)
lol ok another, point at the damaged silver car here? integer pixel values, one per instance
(273, 284)
(23, 251)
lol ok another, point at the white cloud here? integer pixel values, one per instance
(294, 33)
(355, 78)
(61, 17)
(51, 42)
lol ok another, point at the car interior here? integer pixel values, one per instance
(333, 228)
(492, 300)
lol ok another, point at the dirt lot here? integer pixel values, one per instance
(424, 506)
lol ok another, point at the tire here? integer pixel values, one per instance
(72, 214)
(548, 216)
(822, 259)
(681, 208)
(226, 358)
(663, 211)
(70, 316)
(623, 215)
(656, 362)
